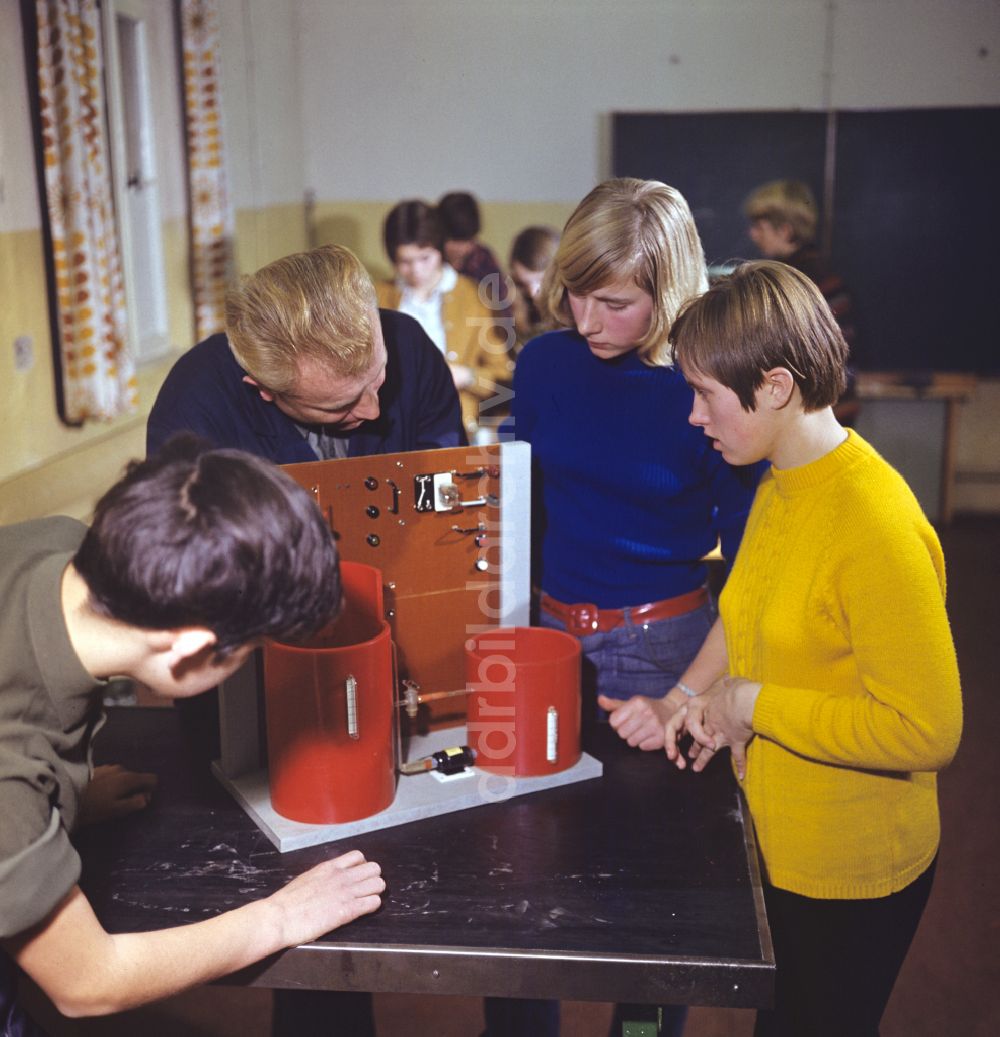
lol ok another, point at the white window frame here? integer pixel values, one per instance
(134, 176)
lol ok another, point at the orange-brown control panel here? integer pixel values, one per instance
(434, 523)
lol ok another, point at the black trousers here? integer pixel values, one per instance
(837, 960)
(322, 1013)
(13, 1020)
(335, 1013)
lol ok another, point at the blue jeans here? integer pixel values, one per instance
(637, 658)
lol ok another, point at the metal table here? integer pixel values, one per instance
(640, 886)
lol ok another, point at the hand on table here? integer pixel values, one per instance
(328, 896)
(115, 792)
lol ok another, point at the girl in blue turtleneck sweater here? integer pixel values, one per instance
(629, 497)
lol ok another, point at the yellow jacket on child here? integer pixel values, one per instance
(475, 340)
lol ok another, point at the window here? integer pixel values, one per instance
(135, 176)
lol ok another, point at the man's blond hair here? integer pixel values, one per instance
(318, 305)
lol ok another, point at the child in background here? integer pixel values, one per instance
(461, 223)
(783, 219)
(531, 252)
(448, 306)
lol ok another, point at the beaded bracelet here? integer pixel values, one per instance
(690, 692)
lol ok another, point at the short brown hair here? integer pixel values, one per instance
(534, 247)
(630, 230)
(459, 214)
(783, 202)
(761, 316)
(318, 305)
(194, 536)
(412, 222)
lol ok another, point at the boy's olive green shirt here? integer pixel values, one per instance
(49, 709)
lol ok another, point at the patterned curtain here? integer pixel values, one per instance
(98, 373)
(211, 219)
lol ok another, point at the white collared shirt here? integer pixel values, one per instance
(429, 311)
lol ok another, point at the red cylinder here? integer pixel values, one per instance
(524, 700)
(330, 712)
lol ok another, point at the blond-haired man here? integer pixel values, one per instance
(310, 369)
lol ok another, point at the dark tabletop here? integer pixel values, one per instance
(639, 886)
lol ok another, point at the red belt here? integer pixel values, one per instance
(583, 618)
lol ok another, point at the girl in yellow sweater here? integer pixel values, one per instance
(831, 673)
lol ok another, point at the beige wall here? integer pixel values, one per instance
(513, 100)
(358, 225)
(268, 233)
(47, 467)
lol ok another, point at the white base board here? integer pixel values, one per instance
(418, 796)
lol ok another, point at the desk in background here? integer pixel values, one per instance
(640, 886)
(911, 419)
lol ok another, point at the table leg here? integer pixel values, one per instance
(948, 461)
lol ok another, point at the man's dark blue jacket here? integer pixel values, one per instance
(205, 393)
